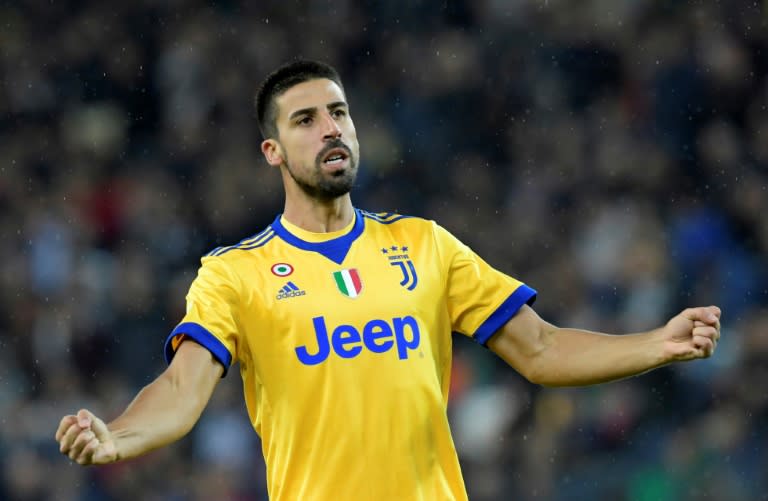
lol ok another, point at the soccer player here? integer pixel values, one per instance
(341, 322)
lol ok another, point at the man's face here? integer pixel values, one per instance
(317, 138)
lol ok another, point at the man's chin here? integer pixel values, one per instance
(336, 184)
(334, 190)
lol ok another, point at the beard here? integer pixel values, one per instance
(322, 185)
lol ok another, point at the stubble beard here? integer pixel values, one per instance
(324, 186)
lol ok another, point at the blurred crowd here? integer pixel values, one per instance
(613, 154)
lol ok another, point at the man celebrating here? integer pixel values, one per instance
(341, 321)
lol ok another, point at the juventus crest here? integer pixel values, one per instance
(398, 256)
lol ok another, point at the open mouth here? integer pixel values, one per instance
(335, 156)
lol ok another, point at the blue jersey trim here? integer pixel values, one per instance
(202, 336)
(384, 217)
(247, 243)
(335, 250)
(251, 238)
(508, 309)
(255, 245)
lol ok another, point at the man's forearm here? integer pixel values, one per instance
(574, 357)
(164, 411)
(554, 356)
(159, 415)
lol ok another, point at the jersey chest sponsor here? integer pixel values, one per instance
(347, 341)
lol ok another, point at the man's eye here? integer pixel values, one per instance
(339, 113)
(304, 121)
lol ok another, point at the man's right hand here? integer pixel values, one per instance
(161, 413)
(85, 439)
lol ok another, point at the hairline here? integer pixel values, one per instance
(281, 80)
(272, 104)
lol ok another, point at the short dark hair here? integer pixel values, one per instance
(282, 79)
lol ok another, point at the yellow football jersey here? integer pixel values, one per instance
(344, 345)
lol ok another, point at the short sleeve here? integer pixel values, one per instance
(480, 298)
(211, 319)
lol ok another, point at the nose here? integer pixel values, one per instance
(331, 129)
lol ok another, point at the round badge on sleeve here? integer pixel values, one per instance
(282, 269)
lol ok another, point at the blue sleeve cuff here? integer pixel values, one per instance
(204, 338)
(507, 309)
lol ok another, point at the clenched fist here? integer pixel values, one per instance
(85, 439)
(693, 333)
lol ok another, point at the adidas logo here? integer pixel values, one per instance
(290, 290)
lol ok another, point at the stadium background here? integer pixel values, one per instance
(612, 154)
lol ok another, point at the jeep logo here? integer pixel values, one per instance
(378, 336)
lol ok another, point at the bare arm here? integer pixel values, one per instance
(554, 356)
(162, 412)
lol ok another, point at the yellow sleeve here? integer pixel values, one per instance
(480, 298)
(212, 313)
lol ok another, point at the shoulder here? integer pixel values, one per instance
(253, 242)
(238, 266)
(375, 219)
(239, 258)
(415, 223)
(413, 228)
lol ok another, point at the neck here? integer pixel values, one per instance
(319, 216)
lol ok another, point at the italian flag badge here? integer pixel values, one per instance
(348, 282)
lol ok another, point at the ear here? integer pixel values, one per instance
(273, 152)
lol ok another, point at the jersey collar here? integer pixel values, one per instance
(335, 249)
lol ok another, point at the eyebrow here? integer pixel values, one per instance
(313, 109)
